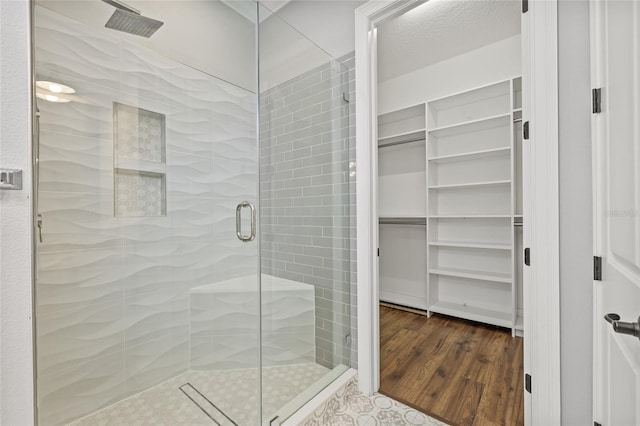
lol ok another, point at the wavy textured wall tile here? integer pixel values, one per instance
(155, 361)
(187, 138)
(193, 263)
(146, 268)
(89, 115)
(78, 221)
(71, 335)
(187, 121)
(73, 163)
(151, 315)
(144, 73)
(189, 175)
(188, 220)
(113, 293)
(71, 279)
(67, 394)
(226, 353)
(70, 48)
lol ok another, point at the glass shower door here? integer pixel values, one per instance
(306, 223)
(147, 302)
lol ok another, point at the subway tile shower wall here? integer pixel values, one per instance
(349, 61)
(307, 198)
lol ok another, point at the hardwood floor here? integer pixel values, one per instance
(462, 372)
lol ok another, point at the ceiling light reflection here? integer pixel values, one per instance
(54, 87)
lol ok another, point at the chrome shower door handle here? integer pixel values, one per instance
(39, 225)
(252, 235)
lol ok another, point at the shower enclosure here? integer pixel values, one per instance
(192, 214)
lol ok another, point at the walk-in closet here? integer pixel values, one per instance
(449, 161)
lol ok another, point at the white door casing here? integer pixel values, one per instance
(615, 46)
(367, 17)
(526, 207)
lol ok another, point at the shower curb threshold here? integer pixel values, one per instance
(318, 402)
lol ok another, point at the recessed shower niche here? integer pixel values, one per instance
(139, 162)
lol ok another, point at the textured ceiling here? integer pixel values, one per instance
(441, 29)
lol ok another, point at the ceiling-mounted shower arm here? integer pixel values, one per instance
(120, 5)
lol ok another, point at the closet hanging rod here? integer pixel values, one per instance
(517, 120)
(517, 224)
(384, 145)
(403, 221)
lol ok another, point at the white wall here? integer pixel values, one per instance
(495, 62)
(16, 362)
(576, 219)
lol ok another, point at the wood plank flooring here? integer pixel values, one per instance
(461, 372)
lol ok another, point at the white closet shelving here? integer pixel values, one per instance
(472, 205)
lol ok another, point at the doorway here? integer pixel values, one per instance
(450, 207)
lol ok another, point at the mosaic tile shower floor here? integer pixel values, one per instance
(165, 404)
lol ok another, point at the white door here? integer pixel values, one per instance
(616, 69)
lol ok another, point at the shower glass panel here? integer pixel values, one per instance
(305, 218)
(147, 302)
(193, 268)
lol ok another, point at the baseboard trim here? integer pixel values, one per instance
(404, 308)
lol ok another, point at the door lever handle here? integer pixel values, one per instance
(630, 328)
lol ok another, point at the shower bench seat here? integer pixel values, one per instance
(224, 321)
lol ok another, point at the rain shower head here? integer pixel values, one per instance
(129, 20)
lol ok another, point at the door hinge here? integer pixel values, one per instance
(597, 268)
(527, 383)
(525, 130)
(596, 100)
(527, 256)
(525, 6)
(378, 251)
